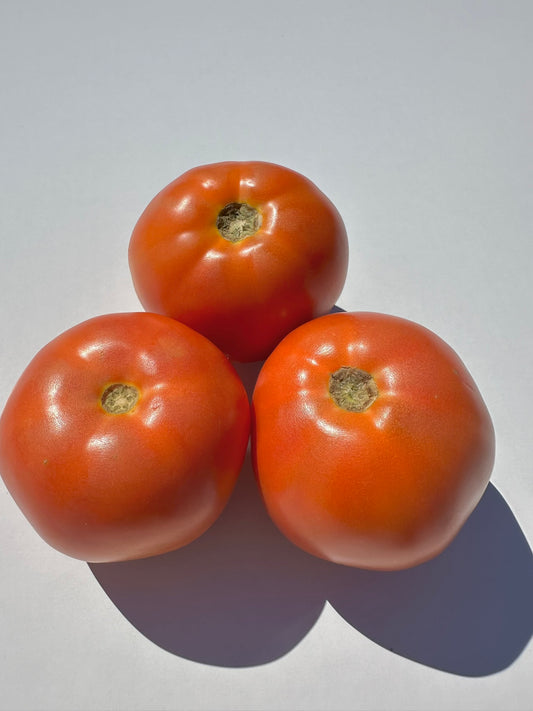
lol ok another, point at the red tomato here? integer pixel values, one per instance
(371, 443)
(124, 437)
(241, 252)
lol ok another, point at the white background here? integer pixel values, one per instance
(415, 118)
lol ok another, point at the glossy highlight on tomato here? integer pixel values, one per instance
(371, 442)
(124, 437)
(242, 252)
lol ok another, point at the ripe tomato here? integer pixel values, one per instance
(371, 443)
(124, 437)
(241, 252)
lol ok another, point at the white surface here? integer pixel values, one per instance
(415, 119)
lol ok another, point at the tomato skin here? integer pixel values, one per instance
(243, 296)
(105, 487)
(387, 488)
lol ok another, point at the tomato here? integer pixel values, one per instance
(371, 442)
(242, 252)
(124, 437)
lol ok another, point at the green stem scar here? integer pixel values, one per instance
(238, 220)
(119, 398)
(352, 389)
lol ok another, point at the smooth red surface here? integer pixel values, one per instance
(243, 296)
(386, 488)
(104, 487)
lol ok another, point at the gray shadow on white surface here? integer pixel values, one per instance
(469, 611)
(242, 595)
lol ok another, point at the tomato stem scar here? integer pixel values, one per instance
(238, 220)
(352, 389)
(119, 398)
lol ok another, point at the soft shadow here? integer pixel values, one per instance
(469, 611)
(242, 595)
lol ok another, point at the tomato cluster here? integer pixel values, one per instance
(125, 435)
